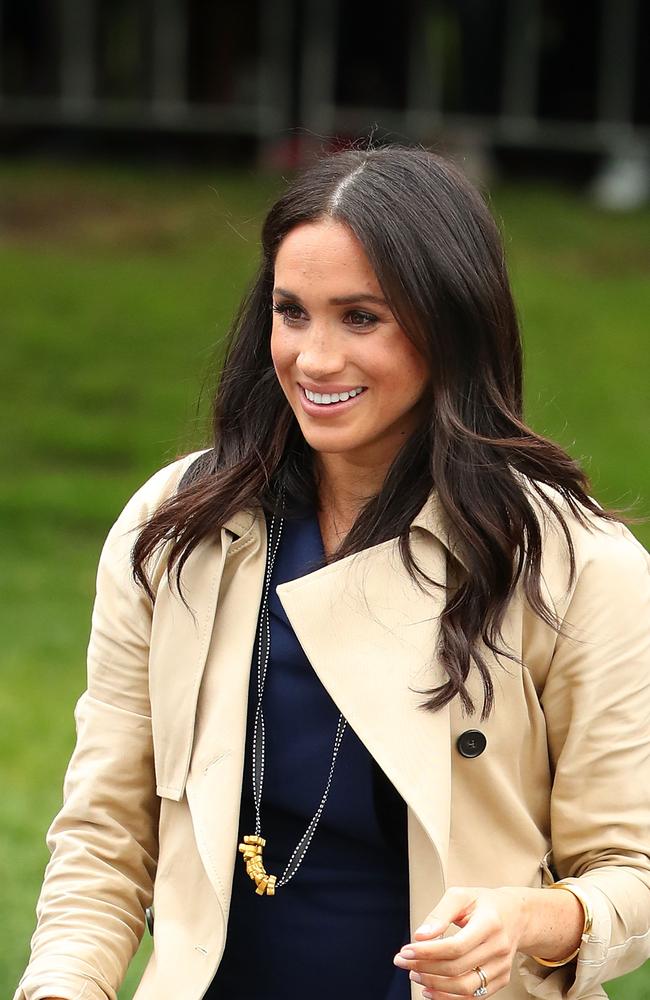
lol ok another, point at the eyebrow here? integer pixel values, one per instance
(340, 300)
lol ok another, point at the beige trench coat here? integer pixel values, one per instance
(153, 788)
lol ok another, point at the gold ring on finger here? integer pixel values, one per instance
(482, 989)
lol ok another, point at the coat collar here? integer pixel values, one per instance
(431, 518)
(242, 522)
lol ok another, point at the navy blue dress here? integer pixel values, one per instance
(333, 929)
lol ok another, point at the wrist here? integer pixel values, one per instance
(521, 908)
(527, 918)
(554, 925)
(585, 920)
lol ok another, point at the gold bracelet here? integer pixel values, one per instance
(585, 902)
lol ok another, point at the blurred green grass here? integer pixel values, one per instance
(117, 287)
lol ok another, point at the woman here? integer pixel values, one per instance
(380, 656)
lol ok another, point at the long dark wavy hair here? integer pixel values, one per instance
(438, 257)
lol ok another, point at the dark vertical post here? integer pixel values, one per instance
(521, 65)
(169, 83)
(616, 70)
(318, 82)
(77, 95)
(274, 68)
(425, 69)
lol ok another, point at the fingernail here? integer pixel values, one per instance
(427, 995)
(415, 976)
(408, 953)
(428, 929)
(401, 962)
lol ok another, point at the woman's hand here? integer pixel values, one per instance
(495, 924)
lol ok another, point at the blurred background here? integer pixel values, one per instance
(141, 142)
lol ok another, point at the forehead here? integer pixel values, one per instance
(325, 252)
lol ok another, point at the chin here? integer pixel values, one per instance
(329, 444)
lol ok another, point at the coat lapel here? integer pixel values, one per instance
(215, 776)
(181, 638)
(370, 634)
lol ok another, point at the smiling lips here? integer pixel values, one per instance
(333, 397)
(317, 401)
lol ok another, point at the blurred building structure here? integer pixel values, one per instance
(531, 73)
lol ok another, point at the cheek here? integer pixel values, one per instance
(280, 354)
(414, 367)
(404, 372)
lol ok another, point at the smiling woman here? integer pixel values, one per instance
(353, 378)
(373, 524)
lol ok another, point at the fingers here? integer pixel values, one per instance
(454, 955)
(480, 925)
(463, 980)
(487, 939)
(454, 908)
(496, 977)
(453, 968)
(447, 966)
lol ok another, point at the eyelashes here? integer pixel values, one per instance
(284, 309)
(293, 315)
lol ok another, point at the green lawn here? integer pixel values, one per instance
(116, 289)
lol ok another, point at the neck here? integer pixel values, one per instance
(345, 486)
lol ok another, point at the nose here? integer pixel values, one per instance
(320, 353)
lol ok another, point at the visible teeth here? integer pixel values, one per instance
(325, 398)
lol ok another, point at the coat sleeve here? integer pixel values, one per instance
(596, 700)
(103, 842)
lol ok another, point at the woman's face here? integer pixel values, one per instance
(334, 336)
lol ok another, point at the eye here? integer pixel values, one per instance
(290, 312)
(361, 318)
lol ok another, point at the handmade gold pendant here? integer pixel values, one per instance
(252, 851)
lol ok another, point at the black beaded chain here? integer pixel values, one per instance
(252, 845)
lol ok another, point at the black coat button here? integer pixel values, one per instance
(472, 743)
(148, 915)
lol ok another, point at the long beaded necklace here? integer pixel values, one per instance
(253, 844)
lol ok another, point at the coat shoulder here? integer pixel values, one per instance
(159, 487)
(611, 568)
(595, 540)
(141, 506)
